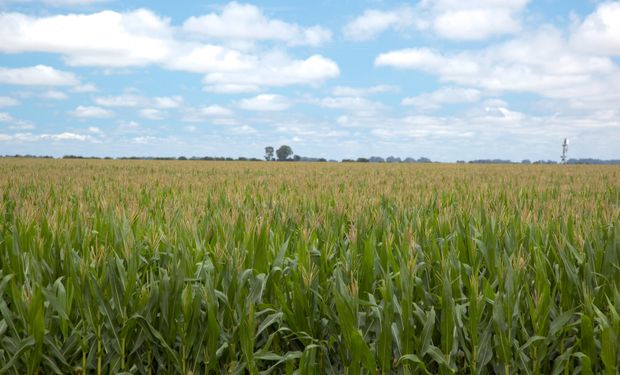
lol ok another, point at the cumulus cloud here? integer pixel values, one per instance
(213, 113)
(39, 75)
(358, 105)
(88, 87)
(450, 19)
(54, 95)
(57, 137)
(541, 62)
(152, 114)
(149, 139)
(599, 33)
(445, 95)
(21, 125)
(210, 58)
(129, 127)
(231, 88)
(477, 20)
(57, 3)
(116, 40)
(126, 100)
(276, 70)
(91, 112)
(362, 91)
(6, 101)
(373, 22)
(265, 102)
(243, 130)
(167, 102)
(129, 100)
(246, 22)
(107, 38)
(5, 117)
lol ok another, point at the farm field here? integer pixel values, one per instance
(161, 267)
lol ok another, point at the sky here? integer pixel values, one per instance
(444, 79)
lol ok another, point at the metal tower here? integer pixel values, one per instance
(564, 150)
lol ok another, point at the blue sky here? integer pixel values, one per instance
(445, 79)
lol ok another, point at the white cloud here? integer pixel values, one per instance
(130, 39)
(65, 3)
(450, 19)
(21, 125)
(15, 123)
(141, 37)
(148, 139)
(243, 130)
(210, 58)
(94, 130)
(226, 88)
(362, 91)
(444, 95)
(6, 101)
(265, 102)
(54, 95)
(540, 62)
(373, 22)
(360, 106)
(167, 102)
(67, 136)
(429, 61)
(91, 112)
(128, 100)
(39, 75)
(600, 31)
(125, 100)
(58, 137)
(276, 70)
(213, 113)
(242, 22)
(129, 127)
(57, 3)
(89, 87)
(153, 114)
(476, 24)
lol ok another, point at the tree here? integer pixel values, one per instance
(284, 152)
(268, 153)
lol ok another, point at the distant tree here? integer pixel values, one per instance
(297, 158)
(323, 160)
(362, 160)
(526, 161)
(268, 153)
(284, 152)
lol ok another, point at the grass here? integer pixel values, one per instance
(196, 267)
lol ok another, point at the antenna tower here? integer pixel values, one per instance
(564, 150)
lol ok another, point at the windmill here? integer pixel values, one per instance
(564, 150)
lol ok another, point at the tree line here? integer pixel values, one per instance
(285, 153)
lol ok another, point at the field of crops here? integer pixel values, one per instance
(229, 267)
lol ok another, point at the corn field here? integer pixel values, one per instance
(146, 267)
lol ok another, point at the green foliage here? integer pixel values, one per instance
(145, 268)
(283, 152)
